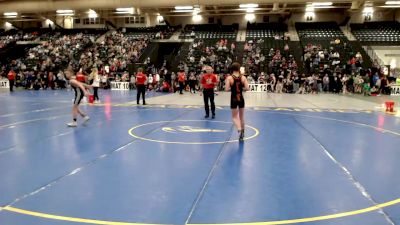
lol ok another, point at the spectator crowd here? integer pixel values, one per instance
(325, 67)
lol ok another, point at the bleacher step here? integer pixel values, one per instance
(346, 31)
(241, 36)
(293, 33)
(175, 36)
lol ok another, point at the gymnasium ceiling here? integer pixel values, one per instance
(39, 9)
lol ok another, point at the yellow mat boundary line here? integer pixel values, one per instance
(277, 222)
(130, 131)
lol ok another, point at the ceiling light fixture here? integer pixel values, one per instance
(186, 7)
(49, 22)
(309, 8)
(250, 5)
(129, 10)
(392, 3)
(183, 11)
(390, 6)
(92, 14)
(250, 17)
(368, 10)
(123, 9)
(197, 18)
(10, 14)
(321, 3)
(63, 11)
(65, 14)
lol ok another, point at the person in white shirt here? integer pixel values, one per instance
(344, 83)
(104, 80)
(132, 82)
(336, 55)
(150, 82)
(156, 81)
(96, 84)
(358, 56)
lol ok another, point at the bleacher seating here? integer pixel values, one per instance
(216, 55)
(377, 33)
(210, 31)
(157, 32)
(265, 30)
(10, 37)
(61, 48)
(325, 37)
(60, 32)
(320, 30)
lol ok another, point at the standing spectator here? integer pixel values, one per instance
(208, 81)
(272, 82)
(385, 87)
(11, 79)
(51, 78)
(96, 84)
(104, 80)
(156, 81)
(150, 82)
(173, 79)
(132, 82)
(181, 80)
(325, 83)
(344, 84)
(141, 80)
(61, 83)
(279, 85)
(192, 82)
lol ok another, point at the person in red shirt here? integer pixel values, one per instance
(208, 81)
(141, 80)
(165, 87)
(80, 76)
(181, 80)
(11, 78)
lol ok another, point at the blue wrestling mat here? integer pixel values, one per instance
(164, 164)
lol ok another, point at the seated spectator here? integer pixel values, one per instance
(358, 56)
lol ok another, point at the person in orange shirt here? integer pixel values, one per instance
(141, 80)
(181, 80)
(11, 78)
(208, 81)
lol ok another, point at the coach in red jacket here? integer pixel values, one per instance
(141, 80)
(208, 81)
(11, 78)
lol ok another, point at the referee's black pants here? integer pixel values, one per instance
(141, 90)
(11, 84)
(209, 94)
(181, 87)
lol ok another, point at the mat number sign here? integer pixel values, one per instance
(395, 90)
(119, 85)
(258, 87)
(4, 83)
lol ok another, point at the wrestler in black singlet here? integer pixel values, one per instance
(237, 99)
(78, 95)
